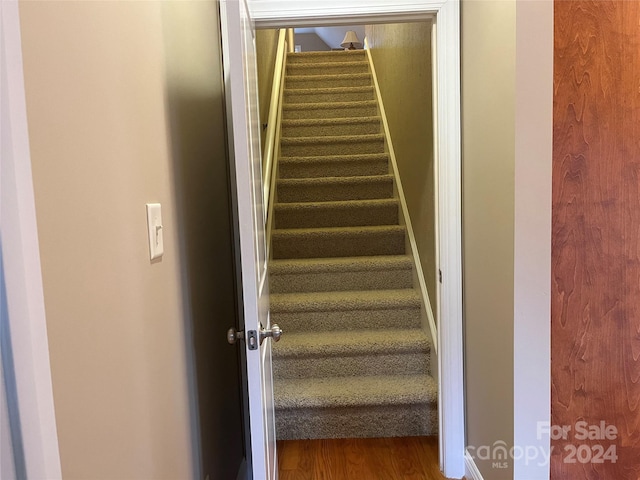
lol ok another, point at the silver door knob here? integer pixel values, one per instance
(233, 335)
(275, 332)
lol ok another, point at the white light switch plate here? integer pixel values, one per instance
(154, 224)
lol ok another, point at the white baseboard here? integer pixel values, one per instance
(471, 471)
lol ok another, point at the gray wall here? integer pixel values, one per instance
(488, 141)
(402, 58)
(311, 42)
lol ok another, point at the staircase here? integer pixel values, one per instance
(355, 359)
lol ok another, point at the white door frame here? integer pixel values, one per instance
(21, 257)
(243, 126)
(447, 154)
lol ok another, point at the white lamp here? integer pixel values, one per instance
(351, 41)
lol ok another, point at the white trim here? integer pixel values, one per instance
(405, 219)
(274, 111)
(239, 65)
(471, 471)
(448, 159)
(272, 13)
(273, 168)
(301, 13)
(21, 257)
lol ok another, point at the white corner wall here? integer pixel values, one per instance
(23, 315)
(532, 280)
(96, 95)
(488, 158)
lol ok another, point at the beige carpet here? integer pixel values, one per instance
(354, 360)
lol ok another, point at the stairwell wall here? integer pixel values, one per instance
(311, 42)
(402, 57)
(266, 51)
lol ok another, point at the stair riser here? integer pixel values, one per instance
(332, 148)
(357, 128)
(331, 245)
(341, 281)
(323, 192)
(336, 216)
(337, 168)
(296, 322)
(331, 68)
(354, 422)
(292, 96)
(333, 82)
(333, 57)
(373, 363)
(355, 110)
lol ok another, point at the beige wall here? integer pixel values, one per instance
(402, 57)
(266, 50)
(488, 141)
(98, 90)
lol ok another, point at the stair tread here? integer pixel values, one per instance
(336, 392)
(335, 158)
(340, 264)
(326, 53)
(354, 63)
(321, 90)
(329, 76)
(351, 342)
(346, 230)
(328, 139)
(335, 180)
(345, 300)
(321, 122)
(337, 204)
(328, 105)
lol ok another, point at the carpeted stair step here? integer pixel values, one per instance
(333, 145)
(351, 353)
(348, 407)
(307, 127)
(340, 274)
(347, 213)
(328, 81)
(367, 108)
(334, 166)
(324, 68)
(328, 56)
(347, 310)
(327, 189)
(338, 242)
(355, 360)
(335, 94)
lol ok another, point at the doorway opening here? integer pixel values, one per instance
(352, 363)
(308, 35)
(242, 104)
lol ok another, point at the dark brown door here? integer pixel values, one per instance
(206, 220)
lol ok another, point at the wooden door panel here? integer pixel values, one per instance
(595, 339)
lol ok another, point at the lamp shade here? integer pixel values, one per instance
(351, 40)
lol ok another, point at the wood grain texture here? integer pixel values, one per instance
(595, 304)
(407, 458)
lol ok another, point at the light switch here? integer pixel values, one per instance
(154, 224)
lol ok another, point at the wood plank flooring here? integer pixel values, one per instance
(406, 458)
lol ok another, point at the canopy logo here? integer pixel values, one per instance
(585, 443)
